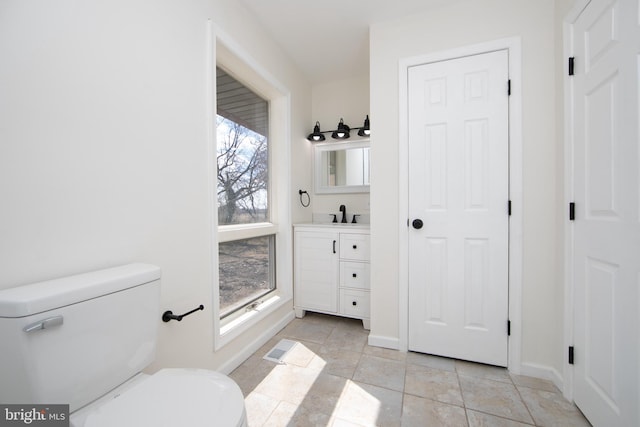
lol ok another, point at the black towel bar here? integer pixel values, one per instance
(168, 315)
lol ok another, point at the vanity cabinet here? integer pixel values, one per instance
(332, 271)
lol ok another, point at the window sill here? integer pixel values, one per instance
(229, 331)
(227, 233)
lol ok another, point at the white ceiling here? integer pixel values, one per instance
(329, 39)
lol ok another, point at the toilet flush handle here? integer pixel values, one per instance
(44, 324)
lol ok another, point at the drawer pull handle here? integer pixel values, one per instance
(355, 246)
(355, 275)
(334, 246)
(354, 303)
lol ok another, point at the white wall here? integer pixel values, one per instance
(104, 148)
(465, 23)
(347, 99)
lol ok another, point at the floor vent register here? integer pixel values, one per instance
(277, 353)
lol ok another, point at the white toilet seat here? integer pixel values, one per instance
(174, 397)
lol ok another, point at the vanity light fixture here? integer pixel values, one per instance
(316, 135)
(364, 130)
(342, 132)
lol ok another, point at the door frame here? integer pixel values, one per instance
(513, 46)
(568, 51)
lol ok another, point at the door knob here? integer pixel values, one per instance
(417, 224)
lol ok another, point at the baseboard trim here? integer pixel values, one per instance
(543, 372)
(386, 342)
(235, 361)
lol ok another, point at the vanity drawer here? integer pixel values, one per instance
(354, 274)
(354, 303)
(354, 246)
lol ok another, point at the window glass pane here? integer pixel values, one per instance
(247, 271)
(242, 153)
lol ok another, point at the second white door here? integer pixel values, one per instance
(458, 203)
(606, 229)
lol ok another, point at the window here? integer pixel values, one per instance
(250, 170)
(246, 249)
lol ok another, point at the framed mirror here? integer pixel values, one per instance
(341, 167)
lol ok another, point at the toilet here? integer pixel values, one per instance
(84, 341)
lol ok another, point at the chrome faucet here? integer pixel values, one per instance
(343, 209)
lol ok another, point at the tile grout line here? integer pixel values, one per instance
(464, 403)
(494, 415)
(523, 401)
(404, 393)
(271, 413)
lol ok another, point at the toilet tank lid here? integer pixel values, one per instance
(36, 298)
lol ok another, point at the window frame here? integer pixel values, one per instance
(227, 55)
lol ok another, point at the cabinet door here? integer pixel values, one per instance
(316, 271)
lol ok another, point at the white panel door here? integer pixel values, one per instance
(606, 245)
(458, 188)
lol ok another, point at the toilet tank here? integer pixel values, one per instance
(70, 340)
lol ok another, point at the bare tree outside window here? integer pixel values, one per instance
(242, 174)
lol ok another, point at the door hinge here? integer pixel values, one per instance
(572, 211)
(571, 355)
(508, 328)
(509, 87)
(572, 61)
(509, 207)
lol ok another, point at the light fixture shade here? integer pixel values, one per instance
(342, 132)
(364, 130)
(316, 135)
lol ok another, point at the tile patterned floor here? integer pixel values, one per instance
(333, 378)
